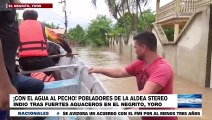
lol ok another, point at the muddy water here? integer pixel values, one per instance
(106, 58)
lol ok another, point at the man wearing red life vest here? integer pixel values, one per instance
(53, 49)
(33, 48)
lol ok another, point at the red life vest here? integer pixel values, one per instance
(32, 39)
(43, 77)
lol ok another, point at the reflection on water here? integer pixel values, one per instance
(104, 57)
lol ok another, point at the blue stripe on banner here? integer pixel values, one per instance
(190, 101)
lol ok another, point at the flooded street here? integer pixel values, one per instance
(105, 57)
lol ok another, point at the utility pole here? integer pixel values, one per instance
(64, 10)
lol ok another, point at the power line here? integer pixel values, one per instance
(64, 10)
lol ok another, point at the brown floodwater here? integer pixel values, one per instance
(106, 58)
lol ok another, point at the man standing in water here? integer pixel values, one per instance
(154, 74)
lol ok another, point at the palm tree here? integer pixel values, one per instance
(113, 6)
(118, 7)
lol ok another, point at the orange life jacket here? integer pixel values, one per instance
(43, 77)
(32, 39)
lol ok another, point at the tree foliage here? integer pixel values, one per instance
(77, 34)
(123, 24)
(145, 20)
(101, 27)
(118, 8)
(169, 33)
(97, 30)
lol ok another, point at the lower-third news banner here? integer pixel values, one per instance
(185, 105)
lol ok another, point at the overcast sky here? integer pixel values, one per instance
(79, 11)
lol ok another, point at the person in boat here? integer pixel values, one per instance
(53, 49)
(10, 82)
(154, 74)
(33, 48)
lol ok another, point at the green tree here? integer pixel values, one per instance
(97, 29)
(145, 20)
(169, 31)
(77, 34)
(119, 7)
(116, 30)
(51, 25)
(123, 25)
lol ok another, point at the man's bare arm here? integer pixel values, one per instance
(111, 72)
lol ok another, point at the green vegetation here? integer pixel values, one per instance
(94, 35)
(145, 20)
(97, 30)
(77, 34)
(118, 8)
(129, 17)
(123, 24)
(169, 33)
